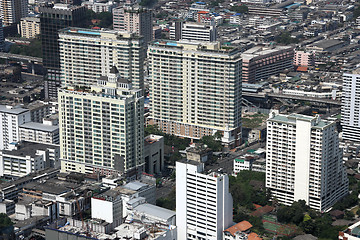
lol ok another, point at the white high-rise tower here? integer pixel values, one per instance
(204, 206)
(304, 161)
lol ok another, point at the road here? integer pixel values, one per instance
(226, 163)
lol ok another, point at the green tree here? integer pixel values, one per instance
(285, 38)
(33, 49)
(168, 202)
(212, 142)
(5, 221)
(356, 13)
(240, 9)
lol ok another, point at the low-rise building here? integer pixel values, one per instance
(193, 32)
(351, 233)
(29, 27)
(99, 6)
(39, 132)
(28, 157)
(108, 207)
(259, 63)
(154, 154)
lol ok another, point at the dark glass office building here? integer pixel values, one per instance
(53, 18)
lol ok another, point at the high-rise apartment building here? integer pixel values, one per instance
(29, 27)
(195, 89)
(52, 19)
(135, 20)
(304, 161)
(204, 205)
(259, 63)
(10, 120)
(11, 11)
(350, 118)
(86, 55)
(193, 32)
(102, 127)
(2, 39)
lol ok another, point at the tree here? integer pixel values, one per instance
(33, 49)
(240, 9)
(5, 221)
(285, 38)
(356, 13)
(212, 142)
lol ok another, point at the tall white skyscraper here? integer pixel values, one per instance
(350, 111)
(10, 120)
(195, 89)
(204, 206)
(303, 161)
(102, 127)
(87, 54)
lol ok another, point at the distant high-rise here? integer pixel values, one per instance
(10, 120)
(193, 32)
(86, 55)
(11, 11)
(134, 20)
(102, 127)
(304, 161)
(2, 40)
(350, 111)
(195, 89)
(204, 205)
(54, 18)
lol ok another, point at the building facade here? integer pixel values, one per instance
(39, 132)
(304, 161)
(350, 119)
(134, 20)
(193, 32)
(2, 39)
(302, 58)
(29, 27)
(204, 206)
(154, 154)
(102, 127)
(99, 7)
(10, 120)
(52, 19)
(259, 62)
(11, 11)
(86, 55)
(195, 89)
(28, 157)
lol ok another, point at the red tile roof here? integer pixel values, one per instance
(241, 226)
(254, 236)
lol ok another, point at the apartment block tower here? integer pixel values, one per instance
(204, 205)
(52, 19)
(350, 118)
(11, 11)
(195, 89)
(11, 117)
(2, 39)
(86, 55)
(102, 127)
(134, 20)
(304, 161)
(193, 32)
(259, 63)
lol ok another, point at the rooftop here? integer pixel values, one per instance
(52, 186)
(292, 118)
(25, 148)
(135, 185)
(39, 126)
(241, 226)
(155, 211)
(12, 109)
